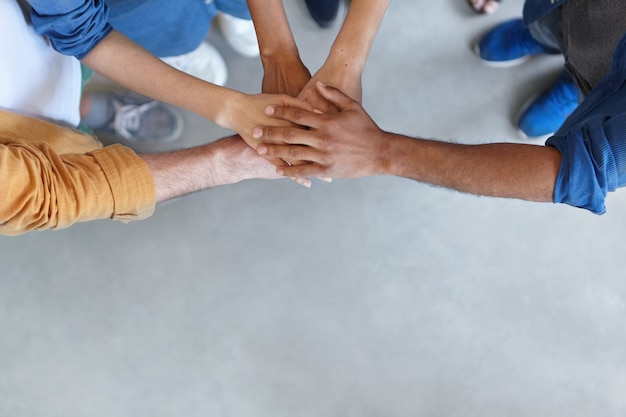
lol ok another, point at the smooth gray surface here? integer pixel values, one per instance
(365, 298)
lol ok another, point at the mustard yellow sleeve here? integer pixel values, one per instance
(40, 189)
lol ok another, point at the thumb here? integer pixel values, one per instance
(333, 95)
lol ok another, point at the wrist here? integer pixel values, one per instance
(346, 61)
(393, 154)
(230, 102)
(280, 55)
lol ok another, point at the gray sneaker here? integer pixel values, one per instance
(133, 117)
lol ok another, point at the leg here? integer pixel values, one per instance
(236, 25)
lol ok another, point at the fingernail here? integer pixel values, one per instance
(261, 149)
(321, 84)
(257, 132)
(326, 179)
(269, 110)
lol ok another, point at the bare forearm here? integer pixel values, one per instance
(357, 34)
(499, 169)
(224, 162)
(128, 64)
(349, 144)
(272, 28)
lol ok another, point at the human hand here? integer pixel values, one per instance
(287, 75)
(251, 113)
(246, 111)
(240, 162)
(284, 75)
(338, 75)
(347, 144)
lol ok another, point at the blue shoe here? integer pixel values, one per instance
(324, 12)
(546, 112)
(508, 44)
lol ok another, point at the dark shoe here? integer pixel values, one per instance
(324, 12)
(546, 112)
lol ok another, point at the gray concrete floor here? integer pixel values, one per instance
(370, 297)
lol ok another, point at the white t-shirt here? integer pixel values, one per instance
(34, 78)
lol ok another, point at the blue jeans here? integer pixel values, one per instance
(167, 27)
(547, 31)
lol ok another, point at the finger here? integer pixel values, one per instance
(303, 181)
(288, 101)
(292, 162)
(319, 103)
(282, 135)
(302, 171)
(294, 115)
(334, 96)
(290, 152)
(278, 162)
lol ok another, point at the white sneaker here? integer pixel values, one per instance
(239, 34)
(204, 62)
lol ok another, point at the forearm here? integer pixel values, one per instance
(44, 189)
(128, 64)
(272, 29)
(507, 170)
(356, 37)
(224, 162)
(349, 144)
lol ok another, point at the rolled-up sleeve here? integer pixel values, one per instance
(42, 189)
(593, 162)
(73, 27)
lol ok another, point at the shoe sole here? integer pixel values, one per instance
(500, 64)
(518, 117)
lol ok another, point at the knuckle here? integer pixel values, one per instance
(325, 142)
(294, 153)
(290, 136)
(271, 150)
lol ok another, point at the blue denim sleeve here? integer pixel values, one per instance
(74, 27)
(593, 162)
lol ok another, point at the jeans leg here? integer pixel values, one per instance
(547, 31)
(236, 8)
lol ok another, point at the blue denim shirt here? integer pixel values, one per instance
(163, 27)
(73, 27)
(592, 141)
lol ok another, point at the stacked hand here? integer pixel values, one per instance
(346, 144)
(288, 75)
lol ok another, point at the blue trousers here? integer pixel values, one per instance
(170, 28)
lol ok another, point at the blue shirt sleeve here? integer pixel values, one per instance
(593, 162)
(73, 27)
